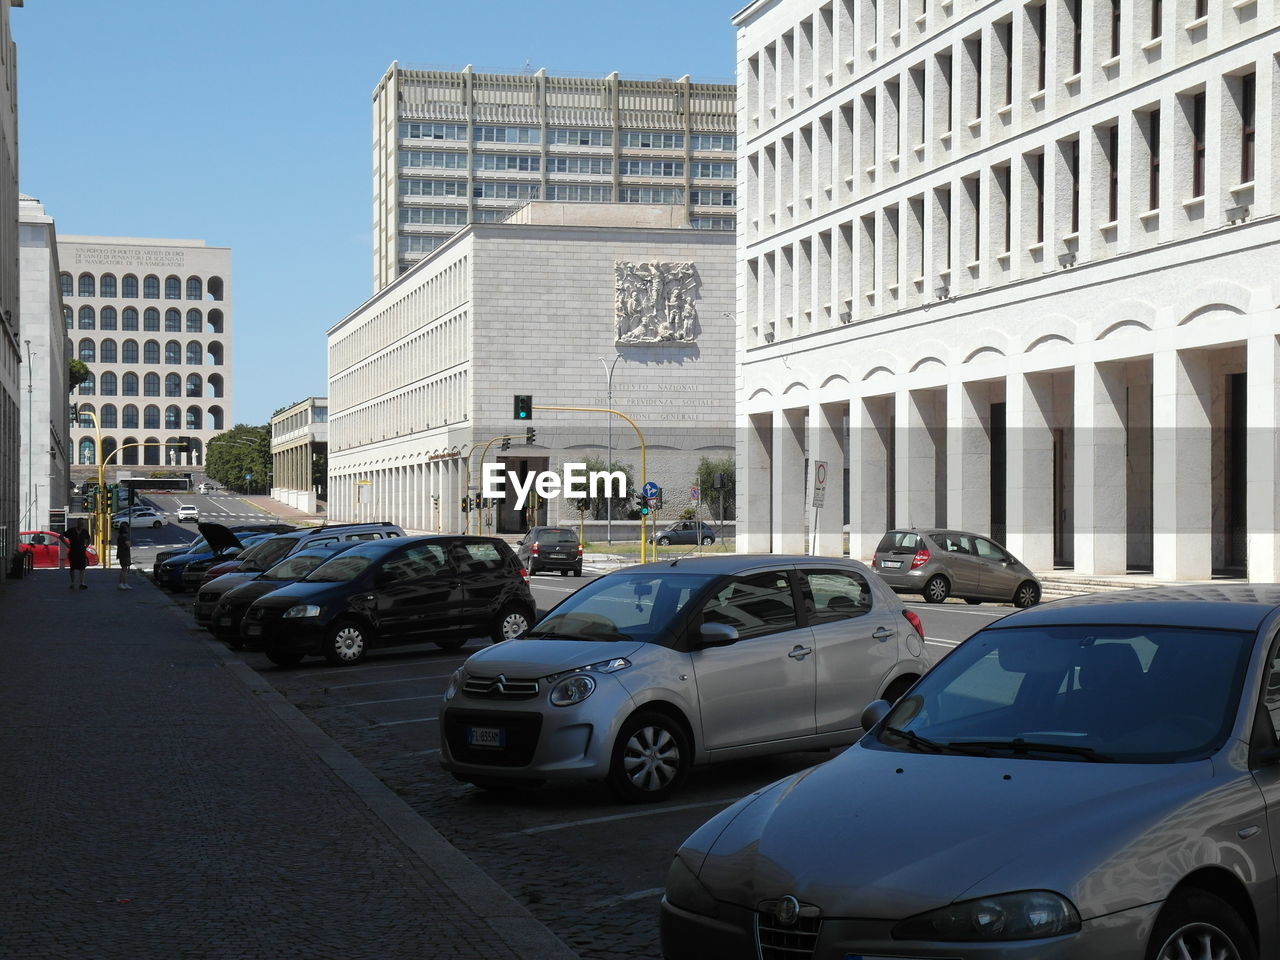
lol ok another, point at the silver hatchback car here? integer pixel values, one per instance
(649, 670)
(938, 564)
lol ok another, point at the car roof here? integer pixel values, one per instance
(733, 563)
(1224, 607)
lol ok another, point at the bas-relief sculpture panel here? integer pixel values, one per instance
(654, 302)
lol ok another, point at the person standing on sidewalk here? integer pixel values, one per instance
(78, 540)
(123, 559)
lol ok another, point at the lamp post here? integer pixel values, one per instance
(608, 503)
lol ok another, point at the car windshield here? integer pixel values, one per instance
(266, 553)
(1130, 694)
(623, 606)
(340, 569)
(296, 567)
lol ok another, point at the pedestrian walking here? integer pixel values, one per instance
(123, 559)
(78, 544)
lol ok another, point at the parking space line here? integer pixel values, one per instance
(627, 897)
(367, 703)
(396, 723)
(943, 643)
(956, 608)
(345, 671)
(376, 683)
(418, 753)
(646, 812)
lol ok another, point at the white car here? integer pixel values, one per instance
(187, 512)
(145, 517)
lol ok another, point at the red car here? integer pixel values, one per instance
(49, 549)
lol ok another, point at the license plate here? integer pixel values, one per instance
(490, 737)
(888, 564)
(253, 630)
(224, 621)
(558, 556)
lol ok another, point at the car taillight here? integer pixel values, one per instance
(579, 549)
(533, 550)
(914, 619)
(920, 559)
(525, 574)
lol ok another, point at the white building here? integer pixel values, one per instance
(1013, 263)
(299, 443)
(11, 355)
(46, 445)
(152, 319)
(576, 305)
(452, 147)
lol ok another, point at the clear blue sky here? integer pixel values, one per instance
(246, 124)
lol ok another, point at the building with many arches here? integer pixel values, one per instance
(152, 320)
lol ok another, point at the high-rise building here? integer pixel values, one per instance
(152, 320)
(458, 147)
(10, 332)
(1013, 264)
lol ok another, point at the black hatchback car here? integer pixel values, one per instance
(443, 589)
(551, 548)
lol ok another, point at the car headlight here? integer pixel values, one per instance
(573, 686)
(1027, 915)
(302, 610)
(455, 683)
(685, 890)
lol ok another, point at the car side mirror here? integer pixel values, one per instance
(717, 635)
(874, 712)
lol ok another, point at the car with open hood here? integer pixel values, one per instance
(201, 546)
(1096, 777)
(216, 543)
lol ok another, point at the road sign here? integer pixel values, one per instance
(248, 476)
(695, 494)
(651, 490)
(819, 483)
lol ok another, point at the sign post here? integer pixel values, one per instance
(819, 497)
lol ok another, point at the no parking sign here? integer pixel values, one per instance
(819, 483)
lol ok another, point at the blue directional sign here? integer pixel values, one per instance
(651, 490)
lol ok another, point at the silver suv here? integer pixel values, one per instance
(651, 669)
(951, 563)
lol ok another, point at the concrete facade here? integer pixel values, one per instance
(299, 434)
(452, 147)
(11, 356)
(1011, 265)
(46, 442)
(424, 373)
(152, 319)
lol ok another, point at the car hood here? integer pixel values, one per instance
(303, 591)
(218, 536)
(254, 588)
(878, 834)
(541, 658)
(226, 581)
(182, 559)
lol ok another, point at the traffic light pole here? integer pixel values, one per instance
(485, 453)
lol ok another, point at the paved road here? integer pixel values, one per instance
(588, 867)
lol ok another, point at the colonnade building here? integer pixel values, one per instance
(152, 320)
(1014, 265)
(299, 444)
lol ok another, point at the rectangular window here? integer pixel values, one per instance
(580, 192)
(1076, 35)
(1153, 143)
(945, 70)
(579, 165)
(1113, 174)
(421, 158)
(974, 48)
(650, 195)
(433, 215)
(713, 170)
(977, 219)
(1041, 46)
(1115, 28)
(419, 244)
(1005, 177)
(1157, 18)
(712, 223)
(713, 141)
(506, 135)
(433, 131)
(713, 198)
(495, 190)
(503, 161)
(433, 188)
(651, 168)
(581, 138)
(1202, 8)
(1197, 145)
(1248, 105)
(647, 139)
(490, 216)
(1006, 33)
(1073, 162)
(1038, 176)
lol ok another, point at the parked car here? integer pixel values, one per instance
(443, 589)
(951, 563)
(551, 548)
(230, 596)
(1098, 777)
(49, 549)
(684, 531)
(188, 513)
(140, 517)
(216, 542)
(651, 669)
(265, 554)
(200, 545)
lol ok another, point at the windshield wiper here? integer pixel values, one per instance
(933, 746)
(564, 635)
(1019, 746)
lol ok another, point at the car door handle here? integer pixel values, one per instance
(883, 633)
(799, 653)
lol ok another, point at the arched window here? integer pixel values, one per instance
(129, 386)
(215, 417)
(129, 417)
(69, 317)
(195, 289)
(107, 318)
(87, 352)
(129, 319)
(151, 385)
(151, 319)
(172, 385)
(86, 284)
(150, 287)
(151, 352)
(86, 450)
(86, 416)
(129, 287)
(151, 417)
(172, 288)
(193, 418)
(172, 321)
(215, 288)
(107, 351)
(173, 352)
(172, 417)
(194, 385)
(107, 384)
(108, 416)
(107, 285)
(215, 321)
(86, 387)
(195, 354)
(195, 322)
(64, 284)
(129, 352)
(87, 318)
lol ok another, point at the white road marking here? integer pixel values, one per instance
(419, 753)
(943, 643)
(626, 897)
(647, 812)
(396, 723)
(955, 608)
(347, 671)
(368, 703)
(376, 683)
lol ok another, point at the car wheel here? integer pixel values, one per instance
(1197, 924)
(972, 601)
(509, 624)
(451, 644)
(664, 541)
(937, 589)
(284, 658)
(707, 541)
(157, 525)
(650, 758)
(1027, 595)
(347, 643)
(564, 573)
(533, 568)
(577, 571)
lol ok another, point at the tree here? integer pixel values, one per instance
(77, 373)
(240, 458)
(721, 502)
(599, 506)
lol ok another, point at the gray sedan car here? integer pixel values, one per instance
(952, 563)
(1099, 777)
(646, 671)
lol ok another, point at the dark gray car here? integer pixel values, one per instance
(954, 563)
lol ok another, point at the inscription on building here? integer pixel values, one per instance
(138, 257)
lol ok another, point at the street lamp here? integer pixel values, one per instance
(608, 502)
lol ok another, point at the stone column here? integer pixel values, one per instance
(1101, 474)
(870, 442)
(789, 501)
(754, 484)
(1029, 478)
(969, 457)
(827, 443)
(921, 455)
(1181, 465)
(1263, 459)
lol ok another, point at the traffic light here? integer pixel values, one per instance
(506, 443)
(91, 499)
(466, 502)
(530, 435)
(642, 504)
(523, 407)
(75, 415)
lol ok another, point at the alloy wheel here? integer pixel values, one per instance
(1198, 941)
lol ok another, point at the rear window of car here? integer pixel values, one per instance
(558, 535)
(899, 541)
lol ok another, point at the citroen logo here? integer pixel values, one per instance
(499, 685)
(787, 912)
